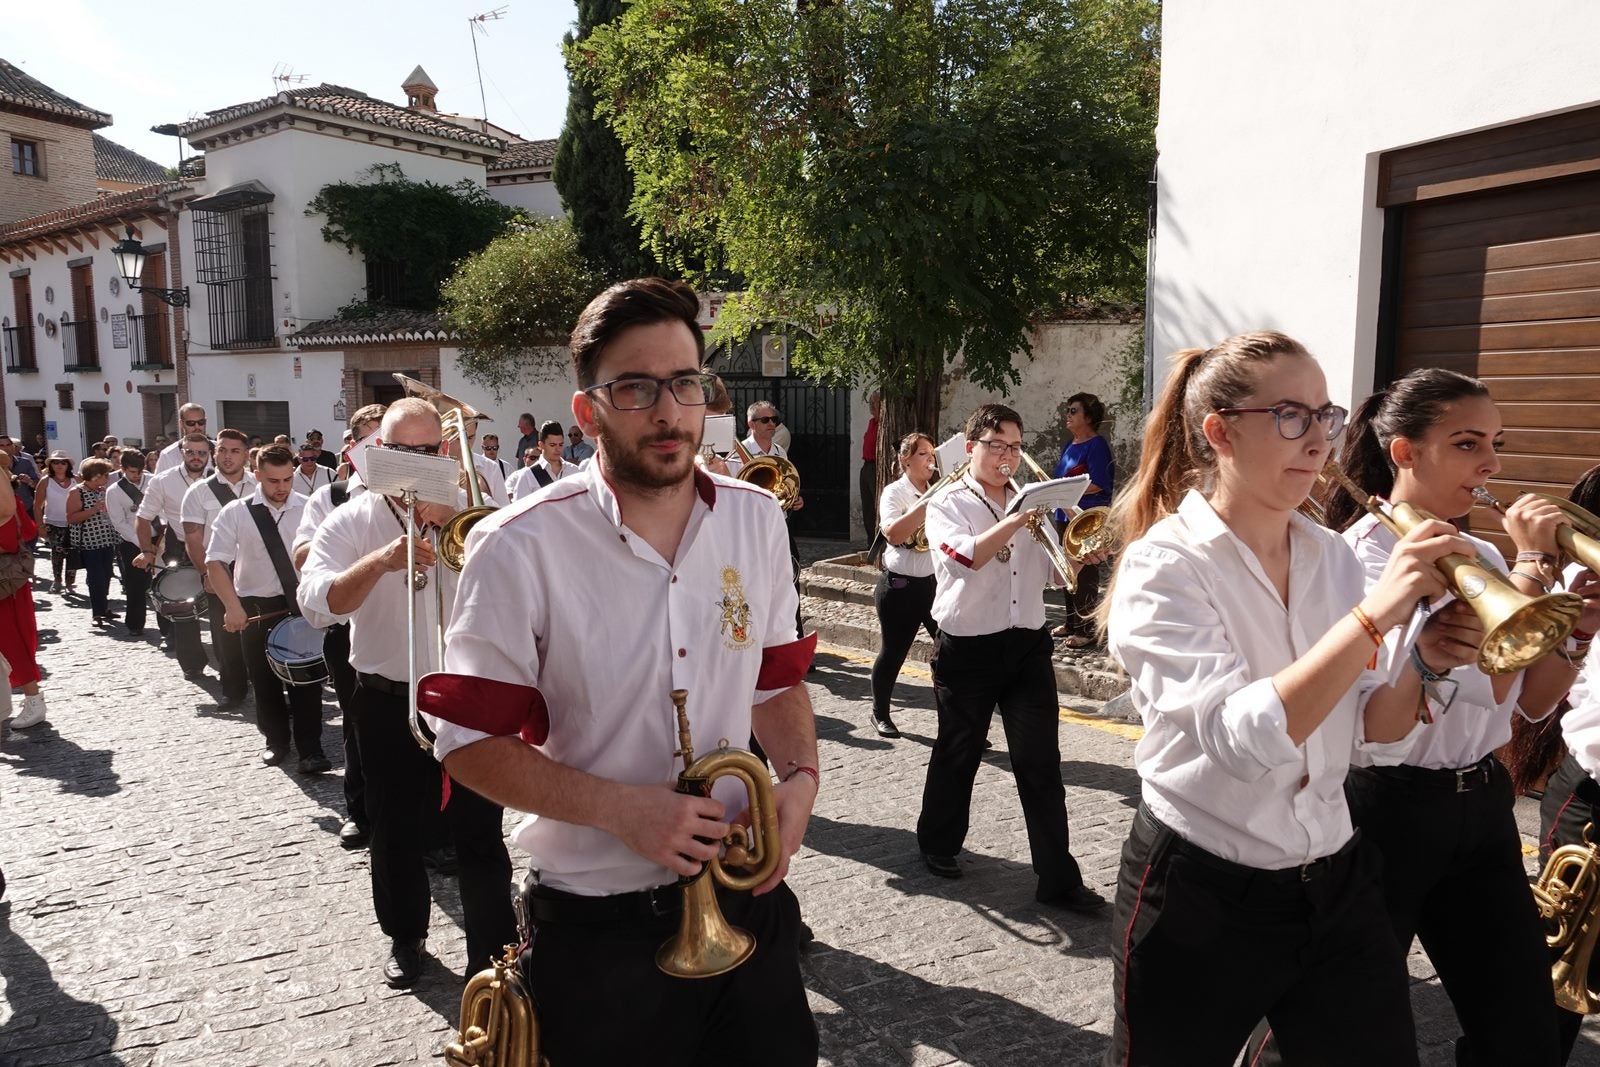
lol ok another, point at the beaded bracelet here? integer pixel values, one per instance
(1534, 578)
(1536, 557)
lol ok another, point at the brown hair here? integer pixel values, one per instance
(908, 444)
(277, 456)
(197, 439)
(637, 302)
(370, 413)
(93, 468)
(233, 435)
(990, 417)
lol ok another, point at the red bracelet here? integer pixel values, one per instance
(1368, 625)
(795, 768)
(1583, 637)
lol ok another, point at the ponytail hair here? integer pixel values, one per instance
(1409, 408)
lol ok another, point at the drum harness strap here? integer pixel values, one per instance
(277, 553)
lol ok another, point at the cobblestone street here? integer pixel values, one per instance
(170, 901)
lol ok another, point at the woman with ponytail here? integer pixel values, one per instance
(1244, 892)
(1442, 818)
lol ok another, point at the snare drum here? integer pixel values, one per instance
(294, 652)
(178, 593)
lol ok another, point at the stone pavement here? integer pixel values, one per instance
(172, 902)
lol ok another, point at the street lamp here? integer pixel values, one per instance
(130, 256)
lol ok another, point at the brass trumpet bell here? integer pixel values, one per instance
(1567, 895)
(777, 476)
(452, 547)
(1087, 532)
(498, 1025)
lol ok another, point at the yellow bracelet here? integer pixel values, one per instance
(1367, 624)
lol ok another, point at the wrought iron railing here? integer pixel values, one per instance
(148, 341)
(20, 357)
(82, 345)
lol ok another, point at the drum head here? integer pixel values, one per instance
(179, 593)
(294, 652)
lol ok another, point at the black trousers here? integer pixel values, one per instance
(971, 676)
(1203, 948)
(1085, 601)
(903, 604)
(135, 587)
(869, 498)
(237, 677)
(336, 653)
(401, 782)
(1571, 802)
(281, 709)
(756, 1013)
(183, 635)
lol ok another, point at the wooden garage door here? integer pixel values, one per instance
(1504, 285)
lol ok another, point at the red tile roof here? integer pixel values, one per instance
(345, 103)
(19, 90)
(386, 324)
(114, 163)
(100, 209)
(525, 154)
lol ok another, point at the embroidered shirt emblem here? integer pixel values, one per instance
(735, 611)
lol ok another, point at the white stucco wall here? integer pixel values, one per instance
(1272, 120)
(544, 399)
(215, 377)
(536, 198)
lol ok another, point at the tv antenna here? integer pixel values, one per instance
(283, 74)
(476, 24)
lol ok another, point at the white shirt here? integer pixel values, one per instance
(899, 497)
(378, 626)
(55, 500)
(200, 503)
(1201, 630)
(1476, 723)
(567, 469)
(755, 450)
(305, 484)
(121, 509)
(163, 497)
(172, 456)
(1580, 727)
(492, 477)
(235, 539)
(707, 623)
(521, 483)
(320, 505)
(1001, 595)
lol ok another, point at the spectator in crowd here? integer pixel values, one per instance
(122, 508)
(152, 459)
(97, 450)
(869, 468)
(494, 482)
(191, 419)
(256, 440)
(24, 472)
(41, 449)
(491, 452)
(50, 513)
(577, 449)
(523, 481)
(529, 439)
(19, 630)
(93, 536)
(1086, 452)
(550, 467)
(324, 457)
(311, 474)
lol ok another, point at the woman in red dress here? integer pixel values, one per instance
(19, 631)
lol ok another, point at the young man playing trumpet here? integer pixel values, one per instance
(994, 650)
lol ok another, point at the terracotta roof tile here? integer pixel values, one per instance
(100, 209)
(345, 103)
(389, 324)
(525, 154)
(19, 90)
(114, 163)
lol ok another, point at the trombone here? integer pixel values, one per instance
(774, 474)
(1579, 536)
(919, 540)
(1086, 532)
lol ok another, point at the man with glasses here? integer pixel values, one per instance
(191, 420)
(993, 649)
(684, 571)
(491, 452)
(494, 480)
(159, 527)
(355, 570)
(324, 457)
(577, 449)
(763, 420)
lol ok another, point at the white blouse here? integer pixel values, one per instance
(1580, 727)
(899, 497)
(1201, 630)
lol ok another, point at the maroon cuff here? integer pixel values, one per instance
(487, 705)
(783, 666)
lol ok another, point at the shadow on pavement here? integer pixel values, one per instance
(47, 1025)
(889, 1015)
(42, 752)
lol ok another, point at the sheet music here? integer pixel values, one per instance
(1062, 493)
(358, 454)
(719, 434)
(435, 479)
(952, 453)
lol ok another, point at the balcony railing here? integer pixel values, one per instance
(82, 345)
(20, 358)
(148, 345)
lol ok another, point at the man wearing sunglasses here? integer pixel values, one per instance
(191, 419)
(355, 570)
(685, 573)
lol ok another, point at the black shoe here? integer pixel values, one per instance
(228, 703)
(404, 964)
(943, 866)
(885, 726)
(136, 633)
(194, 673)
(1079, 898)
(273, 756)
(441, 859)
(316, 763)
(353, 835)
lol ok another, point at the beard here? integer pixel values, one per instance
(634, 464)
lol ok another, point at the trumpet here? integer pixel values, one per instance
(1579, 536)
(776, 475)
(706, 944)
(919, 539)
(1518, 629)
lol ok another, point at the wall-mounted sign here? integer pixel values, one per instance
(50, 429)
(774, 356)
(297, 367)
(250, 386)
(340, 413)
(119, 331)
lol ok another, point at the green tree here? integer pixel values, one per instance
(899, 181)
(591, 172)
(419, 229)
(515, 302)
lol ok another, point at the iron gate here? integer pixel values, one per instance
(818, 418)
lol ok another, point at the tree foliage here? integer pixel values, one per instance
(424, 228)
(515, 301)
(898, 180)
(591, 172)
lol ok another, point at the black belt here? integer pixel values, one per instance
(383, 685)
(1456, 780)
(546, 905)
(1305, 872)
(910, 577)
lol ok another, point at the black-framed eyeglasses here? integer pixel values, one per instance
(491, 448)
(420, 450)
(776, 420)
(638, 394)
(195, 453)
(194, 422)
(1295, 419)
(1000, 448)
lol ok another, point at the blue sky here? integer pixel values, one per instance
(151, 65)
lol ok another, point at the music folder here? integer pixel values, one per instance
(435, 479)
(1057, 493)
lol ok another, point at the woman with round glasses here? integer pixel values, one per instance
(1443, 818)
(1085, 452)
(1245, 629)
(50, 512)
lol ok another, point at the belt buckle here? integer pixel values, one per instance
(1306, 870)
(658, 905)
(1461, 778)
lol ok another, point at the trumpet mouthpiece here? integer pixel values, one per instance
(1005, 470)
(1486, 498)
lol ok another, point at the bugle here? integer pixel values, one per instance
(1579, 536)
(1518, 629)
(919, 539)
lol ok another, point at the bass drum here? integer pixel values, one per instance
(178, 593)
(294, 652)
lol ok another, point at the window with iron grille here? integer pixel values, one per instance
(81, 333)
(20, 355)
(385, 281)
(25, 158)
(147, 341)
(233, 260)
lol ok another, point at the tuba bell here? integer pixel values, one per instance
(1568, 898)
(453, 417)
(706, 944)
(776, 475)
(499, 1027)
